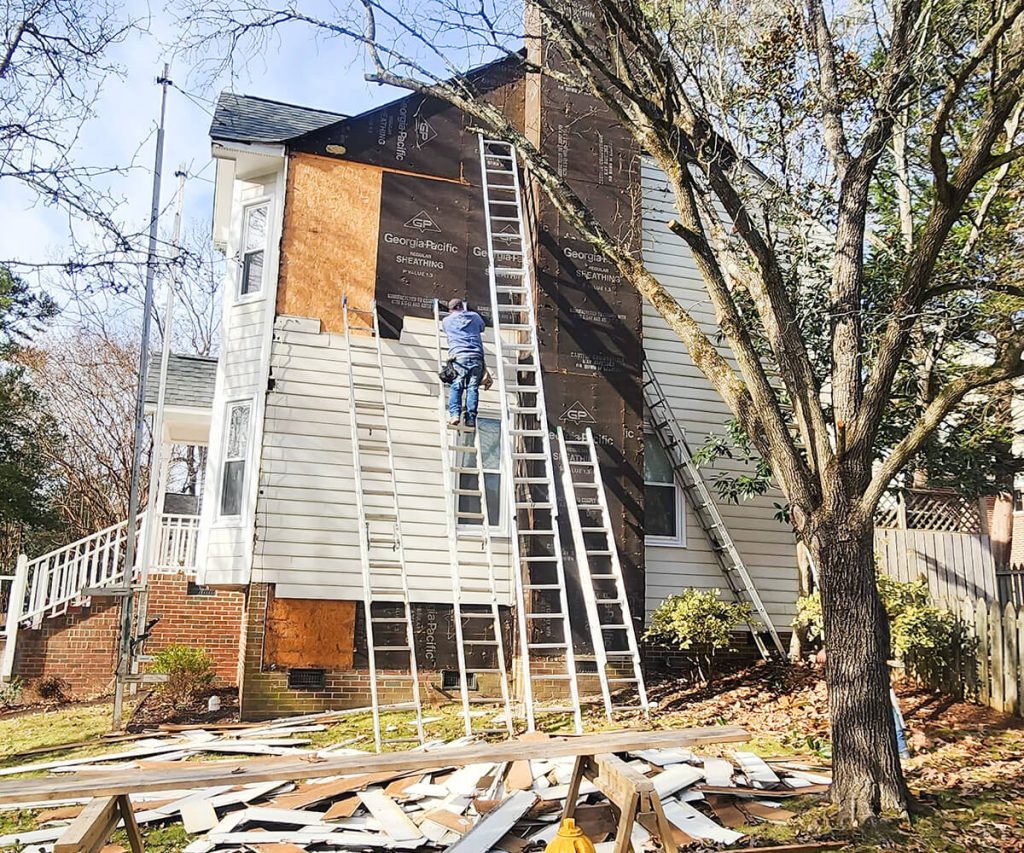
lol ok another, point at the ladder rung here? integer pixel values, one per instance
(529, 559)
(535, 506)
(381, 516)
(391, 649)
(532, 586)
(551, 677)
(479, 642)
(543, 615)
(386, 619)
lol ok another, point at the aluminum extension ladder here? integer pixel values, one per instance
(463, 476)
(699, 497)
(381, 552)
(541, 604)
(604, 591)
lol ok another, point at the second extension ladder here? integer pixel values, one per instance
(545, 630)
(386, 606)
(700, 499)
(466, 504)
(604, 591)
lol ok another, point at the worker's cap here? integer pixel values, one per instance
(455, 304)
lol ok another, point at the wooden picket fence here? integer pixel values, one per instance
(988, 667)
(1011, 584)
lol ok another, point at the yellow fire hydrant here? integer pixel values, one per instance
(570, 839)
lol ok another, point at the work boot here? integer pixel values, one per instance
(470, 422)
(455, 421)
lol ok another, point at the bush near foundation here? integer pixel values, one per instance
(923, 636)
(189, 674)
(697, 620)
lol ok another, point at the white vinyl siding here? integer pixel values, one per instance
(307, 535)
(225, 539)
(766, 545)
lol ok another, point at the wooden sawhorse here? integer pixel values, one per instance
(630, 792)
(90, 831)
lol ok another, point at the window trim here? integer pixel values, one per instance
(235, 520)
(255, 295)
(679, 540)
(501, 529)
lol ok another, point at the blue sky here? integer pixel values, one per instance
(295, 67)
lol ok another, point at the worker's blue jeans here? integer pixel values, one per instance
(470, 371)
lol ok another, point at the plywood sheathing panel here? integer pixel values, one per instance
(304, 632)
(329, 243)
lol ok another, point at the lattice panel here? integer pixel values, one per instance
(887, 513)
(945, 512)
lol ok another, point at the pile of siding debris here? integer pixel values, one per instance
(509, 807)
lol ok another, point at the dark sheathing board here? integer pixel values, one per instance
(590, 317)
(432, 244)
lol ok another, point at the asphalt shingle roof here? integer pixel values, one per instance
(190, 380)
(244, 118)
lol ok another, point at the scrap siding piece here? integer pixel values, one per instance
(755, 769)
(665, 757)
(396, 823)
(466, 780)
(695, 824)
(495, 824)
(718, 771)
(198, 816)
(676, 777)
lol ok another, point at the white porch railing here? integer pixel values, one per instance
(48, 585)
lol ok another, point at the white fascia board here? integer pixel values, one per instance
(223, 193)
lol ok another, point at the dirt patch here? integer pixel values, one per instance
(154, 710)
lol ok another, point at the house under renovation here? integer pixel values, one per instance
(349, 547)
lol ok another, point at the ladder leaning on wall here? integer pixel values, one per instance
(604, 591)
(542, 608)
(465, 503)
(699, 497)
(381, 550)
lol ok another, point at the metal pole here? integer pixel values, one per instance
(125, 644)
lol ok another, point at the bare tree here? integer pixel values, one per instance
(107, 301)
(86, 383)
(773, 123)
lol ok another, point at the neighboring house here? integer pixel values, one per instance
(385, 209)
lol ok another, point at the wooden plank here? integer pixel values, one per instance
(345, 807)
(310, 794)
(519, 776)
(995, 629)
(1011, 659)
(247, 771)
(91, 829)
(981, 627)
(131, 828)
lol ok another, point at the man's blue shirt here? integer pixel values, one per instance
(464, 329)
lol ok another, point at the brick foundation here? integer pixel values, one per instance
(81, 645)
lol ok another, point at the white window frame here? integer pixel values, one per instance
(235, 519)
(259, 294)
(679, 540)
(500, 529)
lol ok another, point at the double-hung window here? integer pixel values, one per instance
(489, 430)
(664, 516)
(254, 245)
(236, 448)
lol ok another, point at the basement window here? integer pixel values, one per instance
(664, 519)
(254, 242)
(306, 679)
(236, 447)
(450, 680)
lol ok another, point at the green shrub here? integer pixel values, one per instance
(924, 637)
(189, 674)
(10, 692)
(698, 620)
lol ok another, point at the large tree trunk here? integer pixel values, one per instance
(867, 778)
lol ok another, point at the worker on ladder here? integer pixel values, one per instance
(466, 356)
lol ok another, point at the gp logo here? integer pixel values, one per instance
(577, 414)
